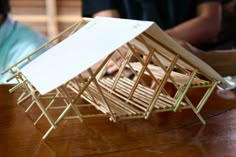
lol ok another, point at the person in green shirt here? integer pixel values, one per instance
(16, 40)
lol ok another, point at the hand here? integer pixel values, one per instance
(189, 47)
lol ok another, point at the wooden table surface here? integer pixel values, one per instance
(163, 134)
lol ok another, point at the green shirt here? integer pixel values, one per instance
(16, 42)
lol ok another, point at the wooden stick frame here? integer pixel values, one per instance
(184, 87)
(104, 90)
(32, 95)
(119, 97)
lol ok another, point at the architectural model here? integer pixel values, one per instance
(72, 72)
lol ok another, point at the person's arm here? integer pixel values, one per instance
(92, 8)
(201, 29)
(1, 19)
(107, 13)
(223, 61)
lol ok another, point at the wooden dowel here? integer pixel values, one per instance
(51, 10)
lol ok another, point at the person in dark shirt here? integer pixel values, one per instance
(195, 21)
(190, 22)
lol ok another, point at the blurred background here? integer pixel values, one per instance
(46, 16)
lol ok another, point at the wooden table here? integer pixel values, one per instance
(163, 134)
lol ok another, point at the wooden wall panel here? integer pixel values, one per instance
(34, 14)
